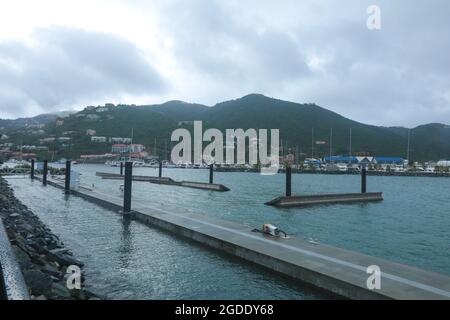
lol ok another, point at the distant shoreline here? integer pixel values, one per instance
(369, 172)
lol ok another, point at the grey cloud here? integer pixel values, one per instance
(69, 66)
(395, 76)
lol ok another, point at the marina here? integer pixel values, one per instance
(297, 256)
(334, 270)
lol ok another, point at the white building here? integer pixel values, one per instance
(443, 163)
(120, 140)
(136, 148)
(91, 132)
(98, 139)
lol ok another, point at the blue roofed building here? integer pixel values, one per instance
(341, 159)
(388, 160)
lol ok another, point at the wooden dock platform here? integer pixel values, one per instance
(338, 271)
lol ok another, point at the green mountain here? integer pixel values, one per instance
(153, 124)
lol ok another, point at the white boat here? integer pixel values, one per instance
(136, 163)
(11, 164)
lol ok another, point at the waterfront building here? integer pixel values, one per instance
(443, 163)
(91, 132)
(120, 148)
(136, 148)
(98, 139)
(388, 160)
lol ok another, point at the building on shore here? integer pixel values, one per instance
(120, 148)
(98, 139)
(443, 163)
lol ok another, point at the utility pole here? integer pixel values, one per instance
(350, 147)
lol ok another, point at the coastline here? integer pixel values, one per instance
(42, 257)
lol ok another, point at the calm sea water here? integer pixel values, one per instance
(127, 260)
(411, 225)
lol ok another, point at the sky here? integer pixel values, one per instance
(65, 55)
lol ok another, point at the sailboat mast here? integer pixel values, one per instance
(407, 150)
(350, 148)
(331, 142)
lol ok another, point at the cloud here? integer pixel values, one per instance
(63, 67)
(210, 51)
(318, 52)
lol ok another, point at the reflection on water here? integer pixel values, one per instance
(127, 260)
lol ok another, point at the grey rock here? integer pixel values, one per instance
(51, 270)
(59, 291)
(38, 282)
(22, 258)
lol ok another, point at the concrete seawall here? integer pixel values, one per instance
(338, 271)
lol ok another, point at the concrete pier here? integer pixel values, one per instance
(167, 181)
(338, 271)
(300, 201)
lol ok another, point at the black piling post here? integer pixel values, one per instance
(67, 180)
(160, 169)
(32, 169)
(211, 173)
(121, 168)
(44, 174)
(288, 181)
(127, 187)
(363, 180)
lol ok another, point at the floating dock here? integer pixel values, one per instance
(167, 181)
(335, 270)
(307, 200)
(289, 200)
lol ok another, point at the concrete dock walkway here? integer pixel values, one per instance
(167, 181)
(338, 271)
(320, 199)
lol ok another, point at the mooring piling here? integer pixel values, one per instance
(44, 173)
(160, 169)
(127, 187)
(121, 168)
(67, 179)
(288, 181)
(211, 173)
(32, 169)
(363, 180)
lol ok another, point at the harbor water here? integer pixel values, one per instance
(129, 260)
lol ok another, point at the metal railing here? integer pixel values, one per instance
(12, 284)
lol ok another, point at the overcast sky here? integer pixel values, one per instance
(58, 55)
